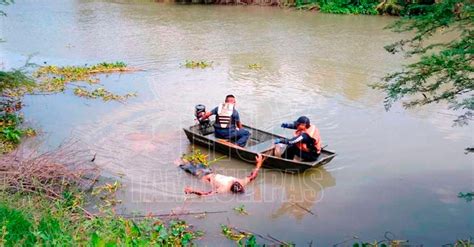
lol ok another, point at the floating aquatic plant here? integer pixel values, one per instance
(255, 66)
(102, 93)
(229, 233)
(191, 64)
(241, 210)
(468, 196)
(11, 131)
(50, 79)
(196, 157)
(55, 78)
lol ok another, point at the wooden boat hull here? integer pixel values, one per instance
(260, 142)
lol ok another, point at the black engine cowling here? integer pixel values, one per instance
(200, 111)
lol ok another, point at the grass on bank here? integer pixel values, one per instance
(53, 199)
(30, 220)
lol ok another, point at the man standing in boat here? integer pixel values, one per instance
(228, 125)
(306, 143)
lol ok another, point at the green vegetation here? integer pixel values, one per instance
(462, 243)
(13, 84)
(101, 93)
(17, 83)
(249, 239)
(365, 7)
(53, 79)
(197, 157)
(10, 131)
(255, 66)
(468, 196)
(43, 201)
(443, 71)
(5, 2)
(240, 237)
(30, 220)
(191, 64)
(390, 7)
(241, 210)
(356, 7)
(362, 7)
(107, 194)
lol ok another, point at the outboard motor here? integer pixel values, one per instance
(205, 124)
(200, 110)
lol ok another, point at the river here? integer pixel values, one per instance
(397, 171)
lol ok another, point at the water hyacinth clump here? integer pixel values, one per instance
(468, 196)
(101, 93)
(196, 157)
(50, 79)
(241, 210)
(11, 131)
(255, 66)
(240, 237)
(191, 64)
(54, 78)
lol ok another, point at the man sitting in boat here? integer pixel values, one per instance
(306, 143)
(220, 183)
(228, 125)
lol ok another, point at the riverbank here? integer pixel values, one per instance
(59, 198)
(366, 7)
(397, 165)
(30, 219)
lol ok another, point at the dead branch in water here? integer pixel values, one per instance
(305, 209)
(152, 215)
(49, 173)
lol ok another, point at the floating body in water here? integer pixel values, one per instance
(220, 183)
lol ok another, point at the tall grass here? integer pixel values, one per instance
(34, 220)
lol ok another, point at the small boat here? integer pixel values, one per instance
(259, 142)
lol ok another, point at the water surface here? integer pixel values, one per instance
(397, 171)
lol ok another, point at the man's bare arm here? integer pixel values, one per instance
(206, 115)
(189, 190)
(259, 159)
(239, 124)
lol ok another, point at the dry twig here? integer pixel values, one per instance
(50, 173)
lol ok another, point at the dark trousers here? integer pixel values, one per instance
(293, 150)
(239, 137)
(198, 170)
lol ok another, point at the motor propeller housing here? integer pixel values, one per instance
(200, 111)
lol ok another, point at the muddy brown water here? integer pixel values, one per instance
(397, 171)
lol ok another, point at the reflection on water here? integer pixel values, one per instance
(391, 166)
(302, 192)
